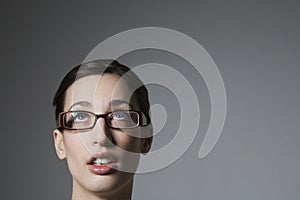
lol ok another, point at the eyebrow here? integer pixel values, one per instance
(81, 103)
(118, 102)
(115, 102)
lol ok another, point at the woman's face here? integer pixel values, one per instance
(109, 147)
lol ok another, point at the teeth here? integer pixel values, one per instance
(101, 161)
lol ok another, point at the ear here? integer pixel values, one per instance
(147, 141)
(59, 144)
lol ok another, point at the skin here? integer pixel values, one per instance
(78, 147)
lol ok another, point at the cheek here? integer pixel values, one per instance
(128, 142)
(75, 155)
(129, 156)
(73, 147)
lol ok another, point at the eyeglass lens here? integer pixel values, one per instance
(85, 120)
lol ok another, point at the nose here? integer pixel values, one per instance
(103, 133)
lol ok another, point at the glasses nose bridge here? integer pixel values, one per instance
(98, 116)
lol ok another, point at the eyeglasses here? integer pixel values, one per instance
(83, 120)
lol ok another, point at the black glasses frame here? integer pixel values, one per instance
(143, 119)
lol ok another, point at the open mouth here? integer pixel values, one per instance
(101, 161)
(102, 164)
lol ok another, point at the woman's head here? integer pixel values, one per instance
(102, 128)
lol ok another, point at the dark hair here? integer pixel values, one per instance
(97, 67)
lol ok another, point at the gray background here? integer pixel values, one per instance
(255, 46)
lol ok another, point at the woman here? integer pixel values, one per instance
(103, 125)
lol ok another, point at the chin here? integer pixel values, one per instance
(105, 184)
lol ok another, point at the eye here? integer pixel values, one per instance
(80, 117)
(119, 115)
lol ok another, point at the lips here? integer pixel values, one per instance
(102, 164)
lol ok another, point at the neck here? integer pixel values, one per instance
(124, 193)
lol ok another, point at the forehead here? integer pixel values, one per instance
(99, 90)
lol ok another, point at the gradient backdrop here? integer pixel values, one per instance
(255, 46)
